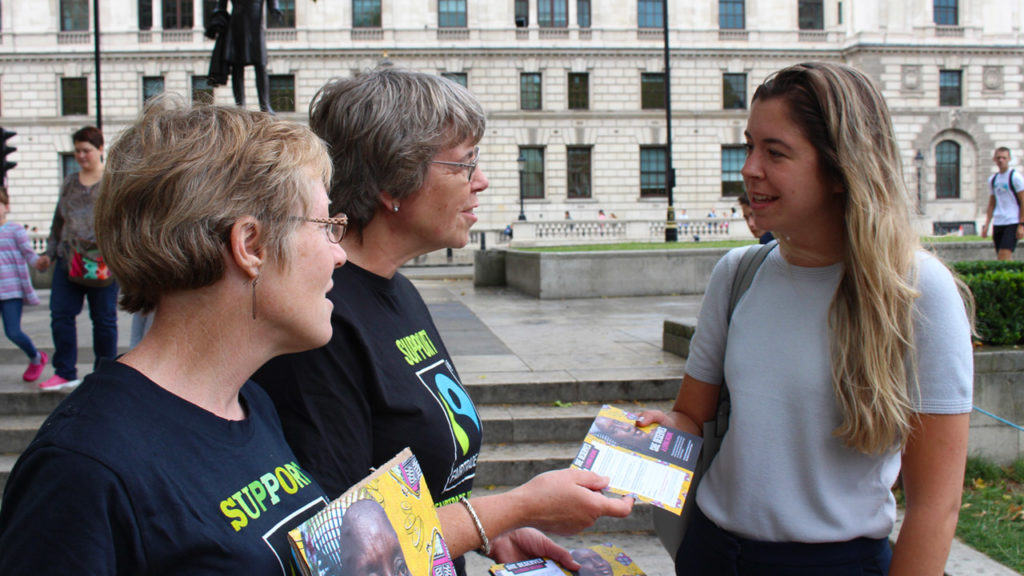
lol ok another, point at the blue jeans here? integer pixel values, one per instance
(707, 550)
(66, 300)
(11, 311)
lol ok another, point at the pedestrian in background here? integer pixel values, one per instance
(16, 290)
(216, 220)
(848, 360)
(71, 236)
(1005, 211)
(763, 236)
(406, 157)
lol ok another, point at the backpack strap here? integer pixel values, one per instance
(750, 262)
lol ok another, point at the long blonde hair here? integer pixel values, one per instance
(871, 317)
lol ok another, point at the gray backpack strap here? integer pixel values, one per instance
(669, 527)
(750, 262)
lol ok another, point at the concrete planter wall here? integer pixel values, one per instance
(998, 389)
(554, 275)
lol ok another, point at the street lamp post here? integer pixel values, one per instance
(671, 233)
(919, 163)
(521, 162)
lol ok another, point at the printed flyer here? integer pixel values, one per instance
(654, 464)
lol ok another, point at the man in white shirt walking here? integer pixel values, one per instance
(1005, 210)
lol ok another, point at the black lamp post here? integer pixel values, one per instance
(919, 163)
(671, 233)
(521, 162)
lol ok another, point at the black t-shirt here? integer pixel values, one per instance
(385, 381)
(126, 478)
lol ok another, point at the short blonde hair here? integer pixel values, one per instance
(179, 178)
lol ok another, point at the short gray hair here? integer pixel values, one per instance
(383, 127)
(178, 179)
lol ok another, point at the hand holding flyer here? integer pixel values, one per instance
(653, 463)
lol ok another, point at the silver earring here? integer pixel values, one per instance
(394, 207)
(254, 282)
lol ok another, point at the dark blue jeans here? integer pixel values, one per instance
(707, 550)
(66, 300)
(11, 311)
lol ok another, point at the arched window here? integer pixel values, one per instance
(947, 169)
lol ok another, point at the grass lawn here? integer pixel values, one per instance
(992, 513)
(702, 244)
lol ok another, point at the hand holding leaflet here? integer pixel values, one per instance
(653, 463)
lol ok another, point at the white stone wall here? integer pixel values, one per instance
(894, 41)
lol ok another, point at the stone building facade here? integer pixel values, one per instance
(575, 87)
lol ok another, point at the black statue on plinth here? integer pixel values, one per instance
(241, 42)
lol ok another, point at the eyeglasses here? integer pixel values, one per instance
(334, 228)
(471, 166)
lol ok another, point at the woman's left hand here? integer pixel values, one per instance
(527, 543)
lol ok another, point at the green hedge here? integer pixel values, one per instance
(998, 289)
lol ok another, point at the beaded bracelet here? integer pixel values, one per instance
(485, 548)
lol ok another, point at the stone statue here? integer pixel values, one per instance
(241, 41)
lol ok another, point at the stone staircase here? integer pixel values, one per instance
(531, 428)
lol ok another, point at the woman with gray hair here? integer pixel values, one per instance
(168, 460)
(406, 154)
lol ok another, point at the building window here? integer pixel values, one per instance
(282, 92)
(145, 14)
(522, 13)
(652, 171)
(733, 158)
(533, 174)
(946, 12)
(529, 91)
(202, 92)
(811, 15)
(74, 97)
(451, 13)
(366, 13)
(579, 91)
(177, 14)
(287, 15)
(74, 15)
(949, 88)
(731, 14)
(552, 13)
(947, 170)
(457, 77)
(578, 167)
(68, 165)
(583, 13)
(151, 86)
(649, 14)
(652, 91)
(734, 91)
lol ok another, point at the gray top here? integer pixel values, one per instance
(781, 475)
(72, 220)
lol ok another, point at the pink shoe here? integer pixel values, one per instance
(57, 383)
(34, 371)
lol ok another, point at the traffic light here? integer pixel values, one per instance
(6, 164)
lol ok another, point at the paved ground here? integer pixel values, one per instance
(496, 332)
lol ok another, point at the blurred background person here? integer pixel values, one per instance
(72, 232)
(16, 290)
(763, 236)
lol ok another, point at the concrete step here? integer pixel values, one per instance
(16, 431)
(558, 386)
(506, 423)
(514, 464)
(18, 397)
